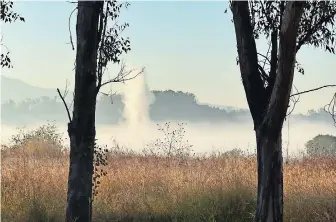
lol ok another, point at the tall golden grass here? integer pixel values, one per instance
(34, 187)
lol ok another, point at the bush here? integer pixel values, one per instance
(45, 140)
(172, 144)
(321, 145)
(233, 153)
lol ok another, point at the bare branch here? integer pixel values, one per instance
(72, 45)
(66, 89)
(72, 101)
(110, 94)
(5, 47)
(123, 75)
(66, 106)
(1, 44)
(293, 100)
(311, 90)
(263, 74)
(331, 108)
(265, 57)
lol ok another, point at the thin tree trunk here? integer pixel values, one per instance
(270, 178)
(81, 128)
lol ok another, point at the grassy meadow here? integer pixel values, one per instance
(149, 188)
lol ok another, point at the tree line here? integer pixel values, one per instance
(167, 106)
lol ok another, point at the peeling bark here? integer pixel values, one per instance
(81, 128)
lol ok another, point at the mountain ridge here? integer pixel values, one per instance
(38, 103)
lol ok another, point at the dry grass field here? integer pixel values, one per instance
(138, 188)
(33, 188)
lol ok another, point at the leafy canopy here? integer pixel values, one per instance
(111, 44)
(317, 26)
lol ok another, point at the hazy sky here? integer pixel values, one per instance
(188, 46)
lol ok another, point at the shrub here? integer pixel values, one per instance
(172, 144)
(45, 140)
(321, 145)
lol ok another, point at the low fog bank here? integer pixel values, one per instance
(137, 127)
(205, 138)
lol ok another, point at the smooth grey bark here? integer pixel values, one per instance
(268, 105)
(81, 128)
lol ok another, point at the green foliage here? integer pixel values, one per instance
(111, 45)
(5, 60)
(7, 15)
(317, 26)
(321, 145)
(99, 162)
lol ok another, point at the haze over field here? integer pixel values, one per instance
(136, 128)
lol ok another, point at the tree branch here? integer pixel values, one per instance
(66, 106)
(312, 30)
(263, 74)
(279, 99)
(101, 36)
(267, 15)
(274, 59)
(294, 102)
(311, 90)
(331, 108)
(265, 57)
(123, 75)
(62, 97)
(248, 59)
(71, 42)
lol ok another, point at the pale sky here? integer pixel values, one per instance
(187, 46)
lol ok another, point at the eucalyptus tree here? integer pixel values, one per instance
(288, 25)
(99, 42)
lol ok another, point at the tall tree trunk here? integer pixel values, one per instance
(81, 128)
(268, 106)
(270, 178)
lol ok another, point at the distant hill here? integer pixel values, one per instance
(17, 90)
(23, 103)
